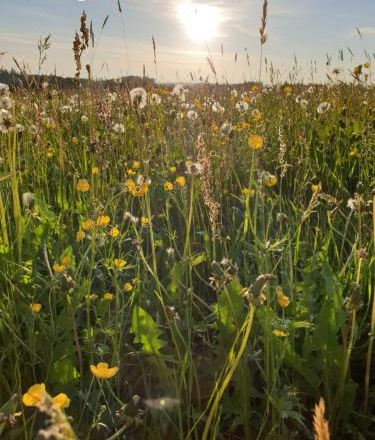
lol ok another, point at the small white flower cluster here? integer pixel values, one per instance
(6, 104)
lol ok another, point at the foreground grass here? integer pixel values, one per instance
(220, 262)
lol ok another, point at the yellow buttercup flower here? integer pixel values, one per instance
(87, 224)
(36, 307)
(58, 268)
(114, 232)
(282, 299)
(61, 401)
(168, 186)
(145, 221)
(248, 192)
(130, 184)
(128, 287)
(315, 187)
(136, 164)
(108, 296)
(270, 180)
(82, 185)
(103, 371)
(119, 263)
(139, 190)
(172, 169)
(34, 395)
(94, 171)
(255, 142)
(80, 235)
(103, 220)
(180, 181)
(280, 333)
(131, 172)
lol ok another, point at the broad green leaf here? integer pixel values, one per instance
(146, 331)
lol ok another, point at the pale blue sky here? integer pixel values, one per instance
(308, 29)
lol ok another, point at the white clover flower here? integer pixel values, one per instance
(217, 108)
(65, 109)
(119, 128)
(180, 91)
(138, 96)
(192, 114)
(323, 107)
(242, 106)
(155, 99)
(226, 128)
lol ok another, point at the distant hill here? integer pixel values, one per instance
(15, 79)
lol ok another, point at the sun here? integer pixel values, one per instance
(200, 20)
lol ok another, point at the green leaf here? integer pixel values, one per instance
(195, 260)
(146, 331)
(63, 372)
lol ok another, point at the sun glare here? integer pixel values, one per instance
(201, 21)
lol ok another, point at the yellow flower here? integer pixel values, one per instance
(119, 263)
(172, 169)
(255, 142)
(74, 140)
(254, 88)
(145, 221)
(136, 164)
(130, 172)
(36, 307)
(180, 181)
(282, 299)
(168, 186)
(103, 220)
(102, 370)
(315, 187)
(128, 287)
(34, 395)
(288, 90)
(61, 401)
(80, 235)
(108, 296)
(280, 333)
(270, 180)
(94, 170)
(256, 115)
(248, 192)
(82, 185)
(114, 232)
(354, 152)
(58, 268)
(130, 184)
(139, 190)
(91, 296)
(66, 260)
(366, 65)
(87, 224)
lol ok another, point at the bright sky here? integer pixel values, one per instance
(185, 32)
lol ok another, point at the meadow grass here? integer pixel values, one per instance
(213, 246)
